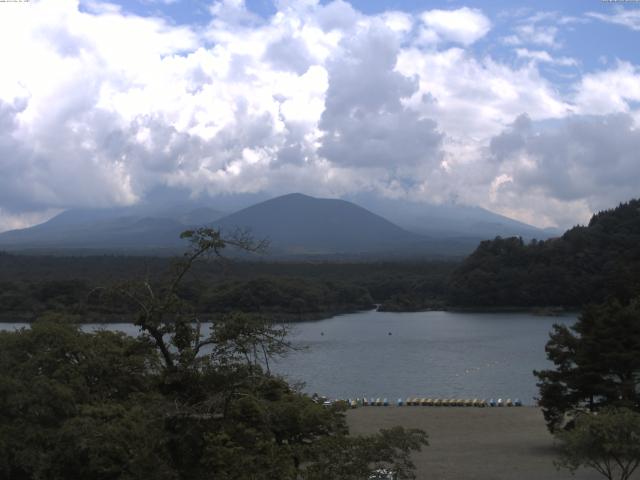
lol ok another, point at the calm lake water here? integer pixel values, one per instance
(425, 354)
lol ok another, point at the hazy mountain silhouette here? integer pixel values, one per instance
(295, 224)
(136, 228)
(450, 220)
(300, 224)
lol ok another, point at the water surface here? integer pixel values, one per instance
(425, 354)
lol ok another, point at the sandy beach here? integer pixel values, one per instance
(474, 443)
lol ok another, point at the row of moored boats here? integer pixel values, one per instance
(434, 402)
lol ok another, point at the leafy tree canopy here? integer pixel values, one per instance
(608, 442)
(175, 402)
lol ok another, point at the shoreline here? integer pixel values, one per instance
(292, 318)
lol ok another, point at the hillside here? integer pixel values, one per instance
(451, 220)
(586, 264)
(299, 224)
(137, 229)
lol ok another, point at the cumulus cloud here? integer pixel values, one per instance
(364, 121)
(99, 107)
(476, 98)
(608, 91)
(583, 158)
(464, 25)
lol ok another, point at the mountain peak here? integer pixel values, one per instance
(304, 224)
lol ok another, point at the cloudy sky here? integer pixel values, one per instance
(529, 110)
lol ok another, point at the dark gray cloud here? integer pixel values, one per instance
(364, 121)
(70, 163)
(592, 158)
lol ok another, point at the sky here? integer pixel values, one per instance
(531, 110)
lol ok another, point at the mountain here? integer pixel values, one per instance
(300, 224)
(450, 220)
(139, 228)
(296, 224)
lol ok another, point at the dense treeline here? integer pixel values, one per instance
(587, 264)
(31, 286)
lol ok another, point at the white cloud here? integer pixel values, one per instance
(539, 29)
(533, 34)
(627, 17)
(543, 56)
(464, 25)
(472, 98)
(608, 91)
(318, 98)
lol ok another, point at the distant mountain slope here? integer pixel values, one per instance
(296, 224)
(450, 220)
(586, 264)
(132, 228)
(299, 224)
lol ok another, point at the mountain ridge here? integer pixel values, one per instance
(300, 223)
(296, 224)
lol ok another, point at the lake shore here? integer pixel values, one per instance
(293, 318)
(474, 443)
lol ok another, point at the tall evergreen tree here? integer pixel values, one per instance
(597, 362)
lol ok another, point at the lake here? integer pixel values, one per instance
(424, 354)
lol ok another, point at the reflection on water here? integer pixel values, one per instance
(426, 354)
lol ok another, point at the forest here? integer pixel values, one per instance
(586, 264)
(32, 286)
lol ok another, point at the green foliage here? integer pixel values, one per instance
(608, 442)
(358, 458)
(30, 286)
(586, 264)
(597, 362)
(173, 403)
(287, 295)
(71, 401)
